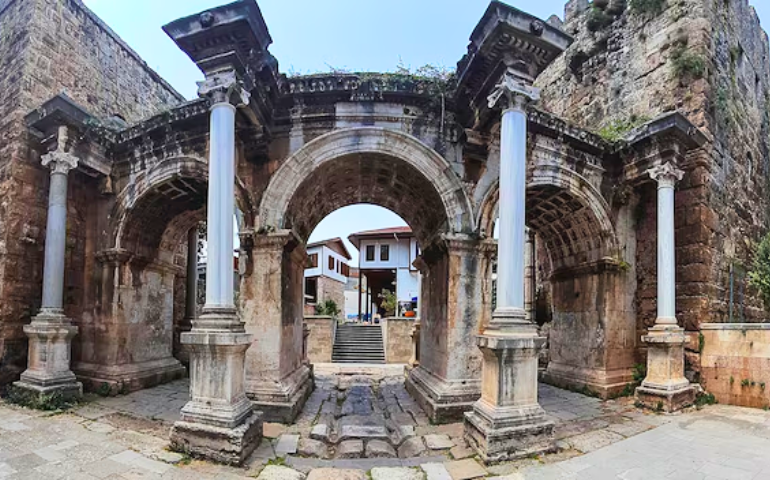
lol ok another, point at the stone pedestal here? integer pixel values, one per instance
(48, 372)
(665, 388)
(507, 422)
(219, 423)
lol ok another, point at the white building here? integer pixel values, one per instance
(386, 260)
(326, 273)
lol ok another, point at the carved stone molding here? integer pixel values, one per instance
(60, 162)
(666, 174)
(224, 87)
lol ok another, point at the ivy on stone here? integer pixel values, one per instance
(759, 276)
(648, 7)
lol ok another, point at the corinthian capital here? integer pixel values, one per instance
(224, 87)
(666, 174)
(60, 162)
(512, 92)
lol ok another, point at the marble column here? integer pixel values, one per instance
(50, 332)
(219, 423)
(508, 422)
(665, 388)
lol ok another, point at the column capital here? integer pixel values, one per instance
(513, 93)
(224, 87)
(60, 162)
(666, 174)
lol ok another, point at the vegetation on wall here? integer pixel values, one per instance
(759, 276)
(687, 64)
(616, 130)
(597, 19)
(647, 7)
(389, 302)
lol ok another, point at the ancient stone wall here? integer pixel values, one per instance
(709, 60)
(48, 47)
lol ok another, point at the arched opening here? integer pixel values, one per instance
(361, 287)
(574, 280)
(346, 167)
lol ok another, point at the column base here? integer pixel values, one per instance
(231, 446)
(282, 401)
(665, 388)
(442, 400)
(599, 382)
(500, 434)
(50, 336)
(118, 379)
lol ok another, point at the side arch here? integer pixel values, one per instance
(568, 213)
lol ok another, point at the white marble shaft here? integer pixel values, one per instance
(513, 191)
(666, 175)
(60, 164)
(221, 207)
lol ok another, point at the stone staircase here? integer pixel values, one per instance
(355, 343)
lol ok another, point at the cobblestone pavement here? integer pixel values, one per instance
(125, 438)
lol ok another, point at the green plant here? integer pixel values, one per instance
(659, 407)
(389, 302)
(597, 19)
(104, 390)
(745, 382)
(45, 402)
(705, 399)
(762, 386)
(701, 342)
(687, 64)
(639, 372)
(615, 130)
(732, 380)
(647, 7)
(328, 307)
(759, 276)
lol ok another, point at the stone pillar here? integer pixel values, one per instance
(508, 422)
(530, 280)
(415, 360)
(191, 292)
(665, 388)
(50, 332)
(219, 423)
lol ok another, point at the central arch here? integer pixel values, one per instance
(350, 166)
(337, 166)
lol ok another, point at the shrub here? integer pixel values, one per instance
(597, 19)
(647, 7)
(328, 307)
(687, 64)
(615, 130)
(759, 276)
(705, 399)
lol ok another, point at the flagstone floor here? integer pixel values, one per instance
(373, 428)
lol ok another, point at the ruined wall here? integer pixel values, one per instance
(48, 47)
(709, 60)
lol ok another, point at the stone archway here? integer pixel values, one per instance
(593, 334)
(344, 167)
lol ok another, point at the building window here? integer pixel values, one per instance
(345, 269)
(331, 263)
(312, 261)
(370, 253)
(384, 253)
(311, 290)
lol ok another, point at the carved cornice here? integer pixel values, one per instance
(113, 256)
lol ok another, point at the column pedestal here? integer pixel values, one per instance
(50, 339)
(414, 362)
(219, 423)
(507, 422)
(665, 389)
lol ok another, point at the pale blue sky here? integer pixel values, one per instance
(314, 35)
